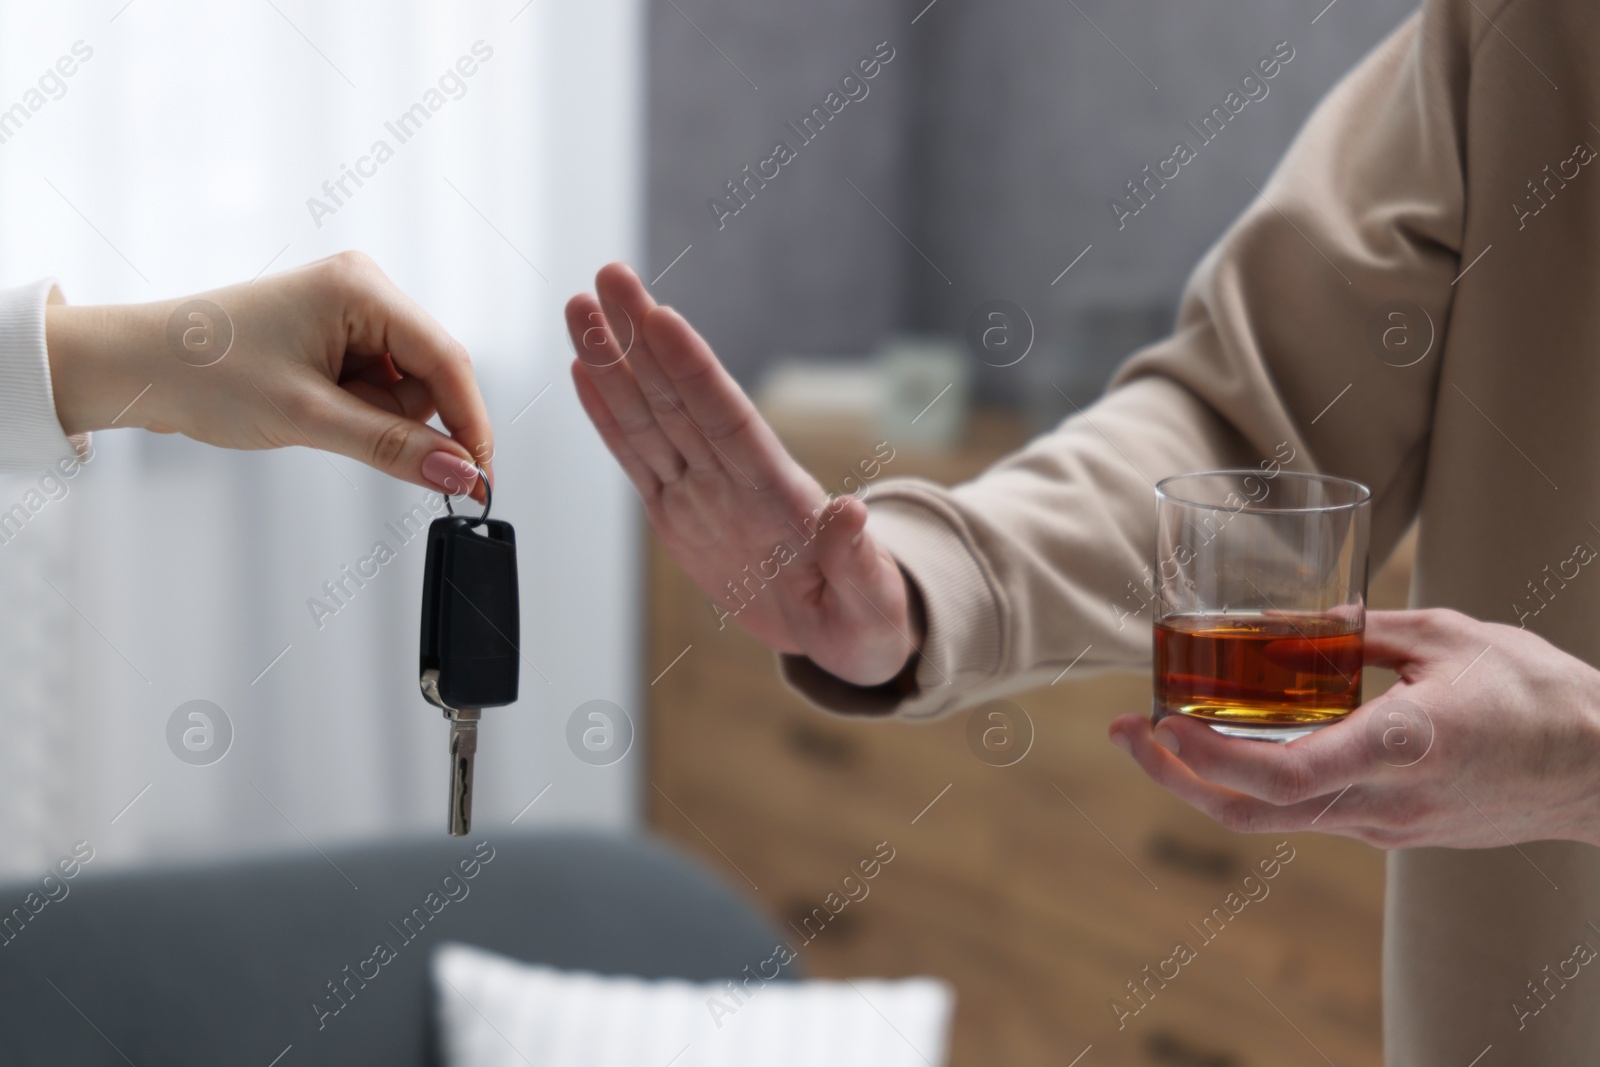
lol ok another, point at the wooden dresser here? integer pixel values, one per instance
(1039, 890)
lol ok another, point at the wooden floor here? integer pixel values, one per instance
(1039, 890)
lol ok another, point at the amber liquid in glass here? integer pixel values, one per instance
(1258, 671)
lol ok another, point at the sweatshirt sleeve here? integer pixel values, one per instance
(1282, 354)
(31, 437)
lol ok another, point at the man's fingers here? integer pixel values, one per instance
(842, 550)
(1227, 806)
(719, 410)
(602, 363)
(1391, 638)
(337, 421)
(850, 558)
(697, 403)
(638, 471)
(863, 592)
(1281, 774)
(1237, 811)
(1416, 639)
(627, 303)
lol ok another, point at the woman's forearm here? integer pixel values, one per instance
(99, 363)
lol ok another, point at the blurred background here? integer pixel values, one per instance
(935, 263)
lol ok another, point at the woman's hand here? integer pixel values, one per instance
(1491, 737)
(750, 526)
(330, 355)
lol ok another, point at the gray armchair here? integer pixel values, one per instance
(238, 963)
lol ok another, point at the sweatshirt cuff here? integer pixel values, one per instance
(31, 437)
(965, 640)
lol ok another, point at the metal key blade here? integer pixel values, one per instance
(463, 749)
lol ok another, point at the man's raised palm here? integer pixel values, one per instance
(756, 532)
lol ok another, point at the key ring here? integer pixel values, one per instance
(488, 496)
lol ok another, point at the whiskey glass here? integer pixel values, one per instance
(1260, 585)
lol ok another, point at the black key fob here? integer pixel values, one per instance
(470, 613)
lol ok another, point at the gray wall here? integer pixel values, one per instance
(992, 141)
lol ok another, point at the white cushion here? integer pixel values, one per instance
(498, 1012)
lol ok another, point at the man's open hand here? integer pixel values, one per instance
(728, 502)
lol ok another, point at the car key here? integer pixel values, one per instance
(470, 634)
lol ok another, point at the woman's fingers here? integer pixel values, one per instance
(603, 364)
(339, 421)
(379, 370)
(406, 397)
(420, 348)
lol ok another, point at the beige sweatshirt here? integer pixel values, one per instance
(1413, 301)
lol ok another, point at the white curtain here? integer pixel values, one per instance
(181, 153)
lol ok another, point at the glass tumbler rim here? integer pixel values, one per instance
(1359, 498)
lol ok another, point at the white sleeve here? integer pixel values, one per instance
(31, 437)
